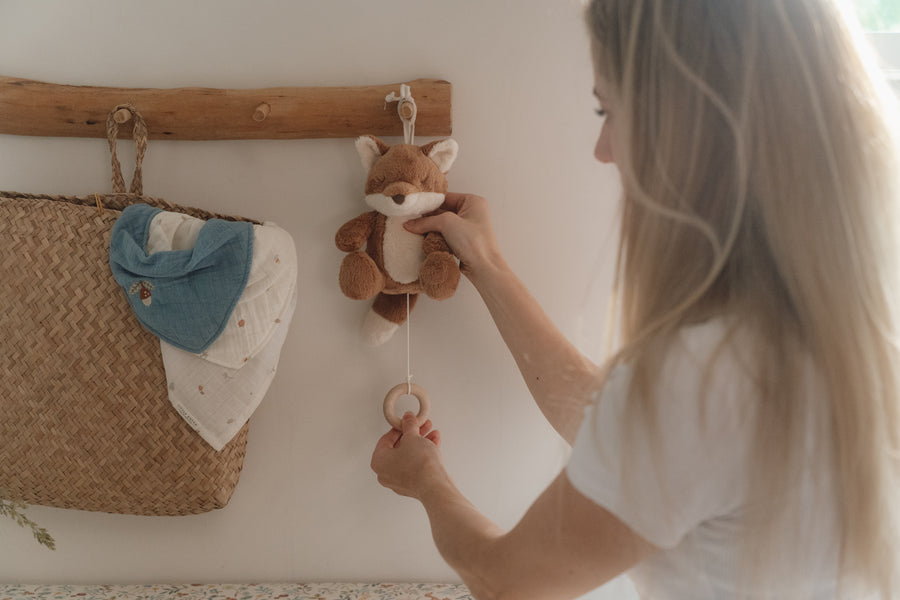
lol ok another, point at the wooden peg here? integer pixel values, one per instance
(33, 108)
(261, 112)
(123, 115)
(407, 110)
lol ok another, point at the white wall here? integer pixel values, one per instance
(307, 506)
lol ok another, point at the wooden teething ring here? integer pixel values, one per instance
(402, 389)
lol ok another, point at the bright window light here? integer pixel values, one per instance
(879, 15)
(881, 19)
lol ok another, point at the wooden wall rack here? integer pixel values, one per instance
(52, 110)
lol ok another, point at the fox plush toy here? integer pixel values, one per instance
(404, 182)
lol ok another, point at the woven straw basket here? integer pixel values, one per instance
(85, 420)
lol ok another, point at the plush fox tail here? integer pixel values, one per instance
(387, 314)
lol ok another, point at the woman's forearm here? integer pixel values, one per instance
(561, 379)
(559, 376)
(464, 537)
(408, 461)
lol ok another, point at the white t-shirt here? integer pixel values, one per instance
(688, 500)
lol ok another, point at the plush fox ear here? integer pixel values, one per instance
(442, 152)
(370, 149)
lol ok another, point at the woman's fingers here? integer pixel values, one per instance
(425, 225)
(389, 440)
(434, 437)
(454, 201)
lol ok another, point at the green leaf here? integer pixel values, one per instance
(14, 509)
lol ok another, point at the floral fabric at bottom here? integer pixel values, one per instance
(286, 591)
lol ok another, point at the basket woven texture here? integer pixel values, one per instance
(85, 420)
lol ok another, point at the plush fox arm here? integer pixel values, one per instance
(354, 233)
(435, 242)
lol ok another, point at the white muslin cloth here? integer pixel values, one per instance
(217, 391)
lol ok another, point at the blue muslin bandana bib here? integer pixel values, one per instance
(184, 297)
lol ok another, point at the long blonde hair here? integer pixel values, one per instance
(760, 166)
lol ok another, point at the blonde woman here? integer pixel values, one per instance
(744, 442)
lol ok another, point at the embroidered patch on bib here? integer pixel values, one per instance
(184, 297)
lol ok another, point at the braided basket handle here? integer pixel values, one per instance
(140, 146)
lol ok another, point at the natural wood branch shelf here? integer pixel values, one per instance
(52, 110)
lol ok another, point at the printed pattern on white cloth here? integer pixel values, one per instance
(233, 591)
(270, 285)
(217, 391)
(214, 400)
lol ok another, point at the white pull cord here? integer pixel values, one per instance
(408, 352)
(406, 108)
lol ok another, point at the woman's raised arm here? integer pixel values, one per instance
(558, 375)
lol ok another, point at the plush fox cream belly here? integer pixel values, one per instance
(404, 182)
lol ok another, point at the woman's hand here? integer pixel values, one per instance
(409, 461)
(468, 231)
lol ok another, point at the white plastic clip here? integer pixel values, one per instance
(406, 108)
